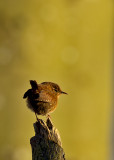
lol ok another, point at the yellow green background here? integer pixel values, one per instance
(68, 42)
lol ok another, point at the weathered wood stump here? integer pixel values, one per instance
(46, 144)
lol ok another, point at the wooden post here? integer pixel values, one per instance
(46, 144)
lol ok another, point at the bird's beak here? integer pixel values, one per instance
(63, 92)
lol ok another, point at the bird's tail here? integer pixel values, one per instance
(34, 84)
(27, 93)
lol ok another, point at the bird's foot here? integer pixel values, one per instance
(49, 122)
(48, 116)
(36, 117)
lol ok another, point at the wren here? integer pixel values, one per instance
(42, 98)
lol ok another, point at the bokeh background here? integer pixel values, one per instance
(64, 41)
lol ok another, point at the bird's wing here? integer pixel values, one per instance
(45, 97)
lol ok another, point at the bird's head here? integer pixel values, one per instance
(54, 87)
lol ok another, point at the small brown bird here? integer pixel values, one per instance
(42, 98)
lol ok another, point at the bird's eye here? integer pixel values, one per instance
(55, 90)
